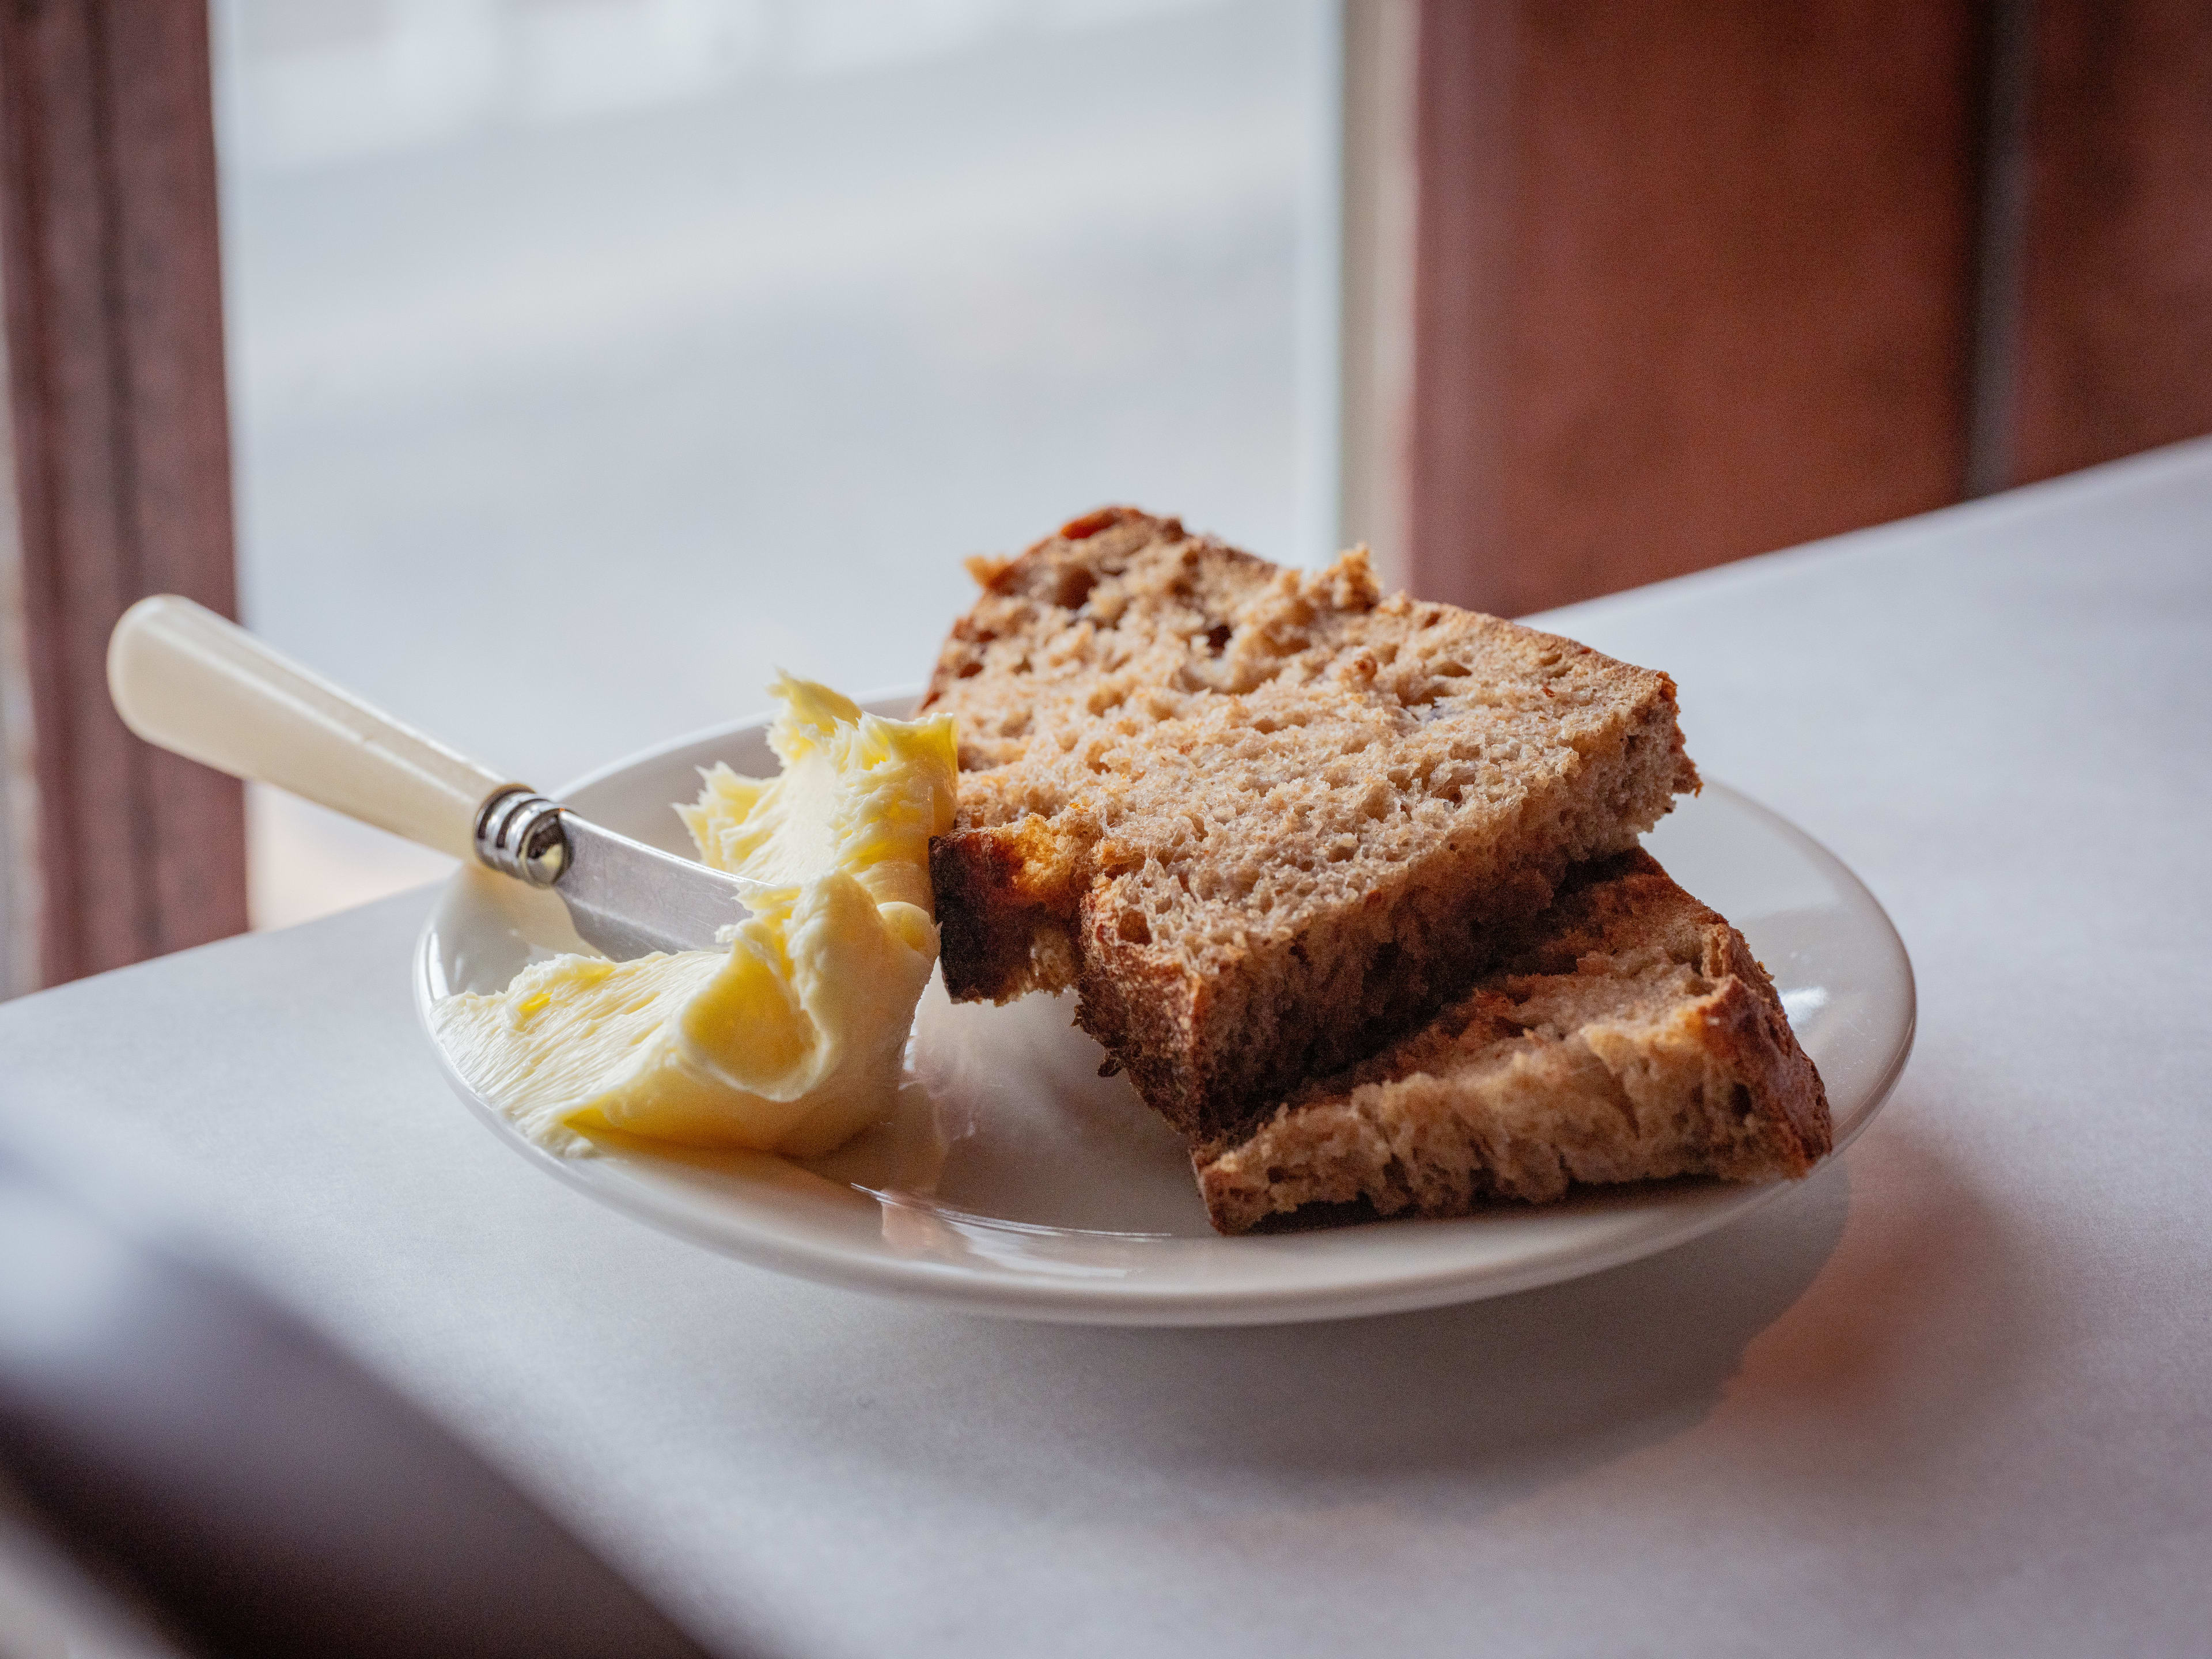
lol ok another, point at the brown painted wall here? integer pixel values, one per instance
(1710, 295)
(2116, 327)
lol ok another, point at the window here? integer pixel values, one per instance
(592, 358)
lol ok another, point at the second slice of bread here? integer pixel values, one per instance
(1262, 819)
(1631, 1037)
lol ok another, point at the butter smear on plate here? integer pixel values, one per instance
(793, 1040)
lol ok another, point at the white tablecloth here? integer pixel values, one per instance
(1953, 1394)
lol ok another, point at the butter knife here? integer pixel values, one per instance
(200, 686)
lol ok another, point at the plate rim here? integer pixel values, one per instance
(1091, 1301)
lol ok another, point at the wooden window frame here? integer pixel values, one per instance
(121, 447)
(1997, 265)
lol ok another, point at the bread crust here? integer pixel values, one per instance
(1630, 1035)
(1262, 820)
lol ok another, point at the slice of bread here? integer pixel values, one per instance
(1261, 819)
(1631, 1037)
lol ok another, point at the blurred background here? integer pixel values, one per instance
(550, 371)
(553, 371)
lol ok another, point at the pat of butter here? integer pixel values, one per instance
(794, 1040)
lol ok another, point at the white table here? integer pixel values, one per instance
(1953, 1394)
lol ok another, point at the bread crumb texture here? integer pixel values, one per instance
(1630, 1037)
(1261, 819)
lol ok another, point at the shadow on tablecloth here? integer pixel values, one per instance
(1854, 1317)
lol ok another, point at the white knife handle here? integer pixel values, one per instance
(194, 684)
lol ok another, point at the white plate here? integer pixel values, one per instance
(1014, 1180)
